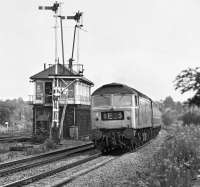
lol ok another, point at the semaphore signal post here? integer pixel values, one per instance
(62, 88)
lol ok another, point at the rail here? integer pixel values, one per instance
(43, 155)
(37, 177)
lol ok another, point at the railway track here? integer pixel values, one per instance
(17, 138)
(81, 169)
(8, 168)
(14, 167)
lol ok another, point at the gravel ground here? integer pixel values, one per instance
(59, 176)
(119, 171)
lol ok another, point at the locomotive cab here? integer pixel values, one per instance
(113, 111)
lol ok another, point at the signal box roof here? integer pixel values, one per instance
(62, 71)
(117, 88)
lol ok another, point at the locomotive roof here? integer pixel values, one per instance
(117, 88)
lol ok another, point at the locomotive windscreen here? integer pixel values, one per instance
(101, 101)
(122, 100)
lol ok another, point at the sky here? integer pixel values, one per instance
(144, 44)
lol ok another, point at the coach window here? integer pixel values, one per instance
(122, 100)
(101, 101)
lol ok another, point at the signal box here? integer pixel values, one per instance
(76, 119)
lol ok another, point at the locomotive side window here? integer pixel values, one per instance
(101, 101)
(144, 111)
(156, 115)
(122, 100)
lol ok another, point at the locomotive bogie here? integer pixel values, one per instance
(125, 138)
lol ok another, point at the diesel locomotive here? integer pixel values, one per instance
(122, 117)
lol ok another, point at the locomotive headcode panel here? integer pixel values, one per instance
(112, 115)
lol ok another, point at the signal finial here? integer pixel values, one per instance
(54, 8)
(76, 17)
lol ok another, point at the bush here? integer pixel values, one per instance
(190, 118)
(177, 162)
(38, 138)
(169, 117)
(46, 146)
(41, 135)
(50, 144)
(33, 151)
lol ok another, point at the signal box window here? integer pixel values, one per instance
(39, 91)
(71, 91)
(48, 92)
(136, 101)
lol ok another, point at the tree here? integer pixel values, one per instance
(4, 115)
(15, 111)
(169, 116)
(189, 80)
(179, 107)
(190, 118)
(169, 102)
